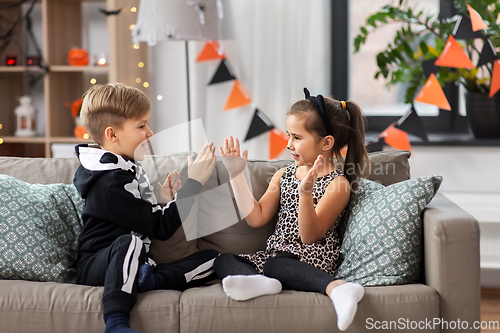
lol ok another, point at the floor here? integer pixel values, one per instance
(490, 308)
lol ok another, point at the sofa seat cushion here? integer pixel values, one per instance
(208, 309)
(27, 306)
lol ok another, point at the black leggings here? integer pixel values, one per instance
(285, 267)
(116, 268)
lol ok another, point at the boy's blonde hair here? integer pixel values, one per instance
(111, 105)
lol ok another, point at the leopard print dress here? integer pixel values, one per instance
(325, 253)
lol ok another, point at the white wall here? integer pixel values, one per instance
(471, 180)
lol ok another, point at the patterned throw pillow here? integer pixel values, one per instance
(383, 243)
(39, 230)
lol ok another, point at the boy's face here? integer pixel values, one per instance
(132, 138)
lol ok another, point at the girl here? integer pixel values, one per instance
(310, 197)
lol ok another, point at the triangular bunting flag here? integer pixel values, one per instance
(260, 124)
(397, 138)
(454, 56)
(495, 78)
(463, 29)
(488, 54)
(477, 21)
(223, 73)
(411, 123)
(211, 51)
(429, 67)
(277, 143)
(238, 97)
(376, 145)
(433, 94)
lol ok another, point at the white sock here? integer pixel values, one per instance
(243, 287)
(345, 299)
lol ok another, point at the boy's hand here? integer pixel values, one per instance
(234, 163)
(201, 169)
(308, 182)
(171, 185)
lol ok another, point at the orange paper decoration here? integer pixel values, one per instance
(454, 56)
(476, 20)
(396, 138)
(495, 78)
(211, 51)
(238, 97)
(433, 94)
(277, 143)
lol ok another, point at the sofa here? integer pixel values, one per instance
(445, 296)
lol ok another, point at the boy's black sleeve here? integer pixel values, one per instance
(126, 208)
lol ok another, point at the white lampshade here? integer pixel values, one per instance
(159, 20)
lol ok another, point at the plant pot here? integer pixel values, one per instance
(483, 114)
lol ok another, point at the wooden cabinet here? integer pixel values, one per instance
(63, 28)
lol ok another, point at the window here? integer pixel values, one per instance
(356, 80)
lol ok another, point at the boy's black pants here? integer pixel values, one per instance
(117, 266)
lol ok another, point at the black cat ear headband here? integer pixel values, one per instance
(319, 102)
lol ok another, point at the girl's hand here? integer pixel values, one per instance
(171, 185)
(201, 169)
(308, 182)
(234, 163)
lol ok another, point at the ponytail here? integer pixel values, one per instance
(356, 164)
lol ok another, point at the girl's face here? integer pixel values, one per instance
(304, 146)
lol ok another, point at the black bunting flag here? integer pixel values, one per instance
(463, 29)
(429, 67)
(223, 73)
(375, 145)
(488, 54)
(260, 124)
(412, 124)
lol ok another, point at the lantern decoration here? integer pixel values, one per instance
(25, 114)
(11, 60)
(33, 60)
(78, 57)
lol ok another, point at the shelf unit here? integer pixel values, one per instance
(62, 30)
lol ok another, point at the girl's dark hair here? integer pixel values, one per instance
(348, 132)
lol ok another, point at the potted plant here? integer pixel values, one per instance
(420, 39)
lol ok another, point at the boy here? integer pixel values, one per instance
(121, 209)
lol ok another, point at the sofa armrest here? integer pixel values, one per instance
(452, 261)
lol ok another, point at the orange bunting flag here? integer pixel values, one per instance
(396, 138)
(476, 20)
(211, 51)
(277, 143)
(433, 94)
(238, 97)
(454, 56)
(495, 78)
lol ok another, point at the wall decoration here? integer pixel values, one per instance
(260, 124)
(238, 97)
(454, 56)
(488, 54)
(411, 123)
(430, 67)
(278, 142)
(396, 138)
(433, 94)
(211, 51)
(463, 29)
(495, 79)
(223, 73)
(476, 20)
